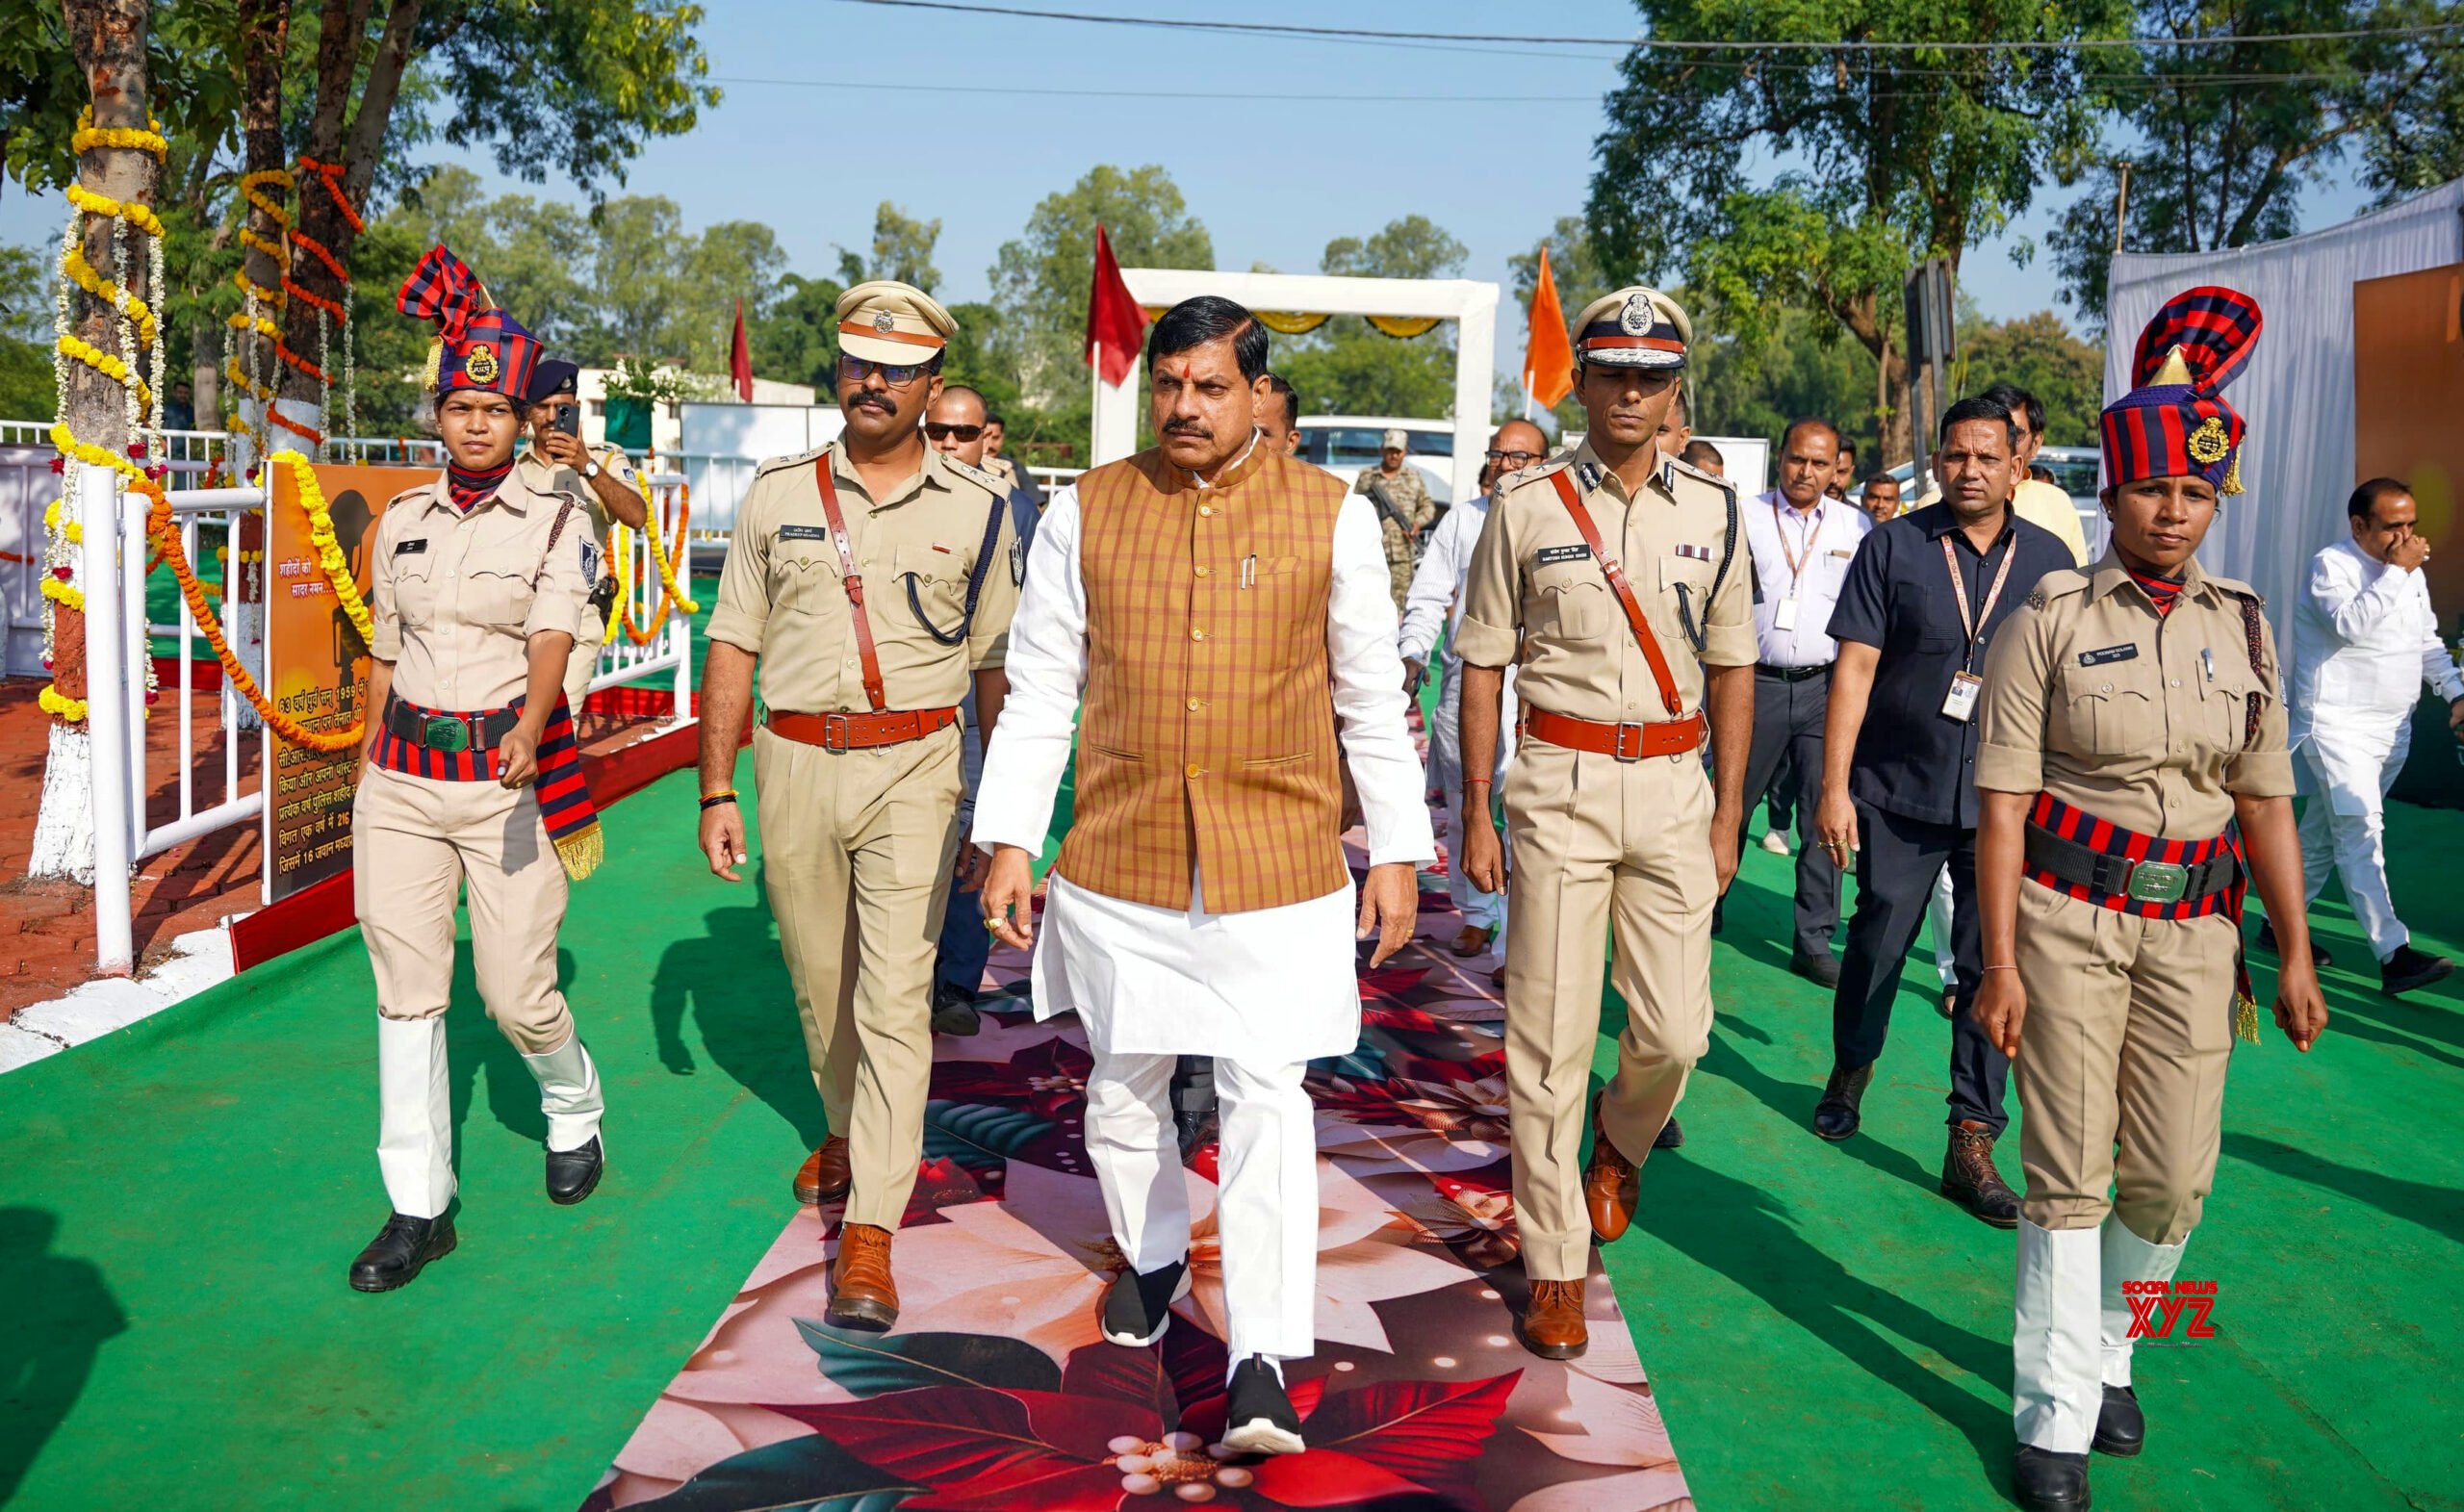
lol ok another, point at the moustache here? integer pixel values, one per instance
(873, 402)
(1196, 428)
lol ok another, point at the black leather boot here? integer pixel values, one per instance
(1836, 1117)
(572, 1174)
(1970, 1180)
(2121, 1429)
(2043, 1480)
(399, 1252)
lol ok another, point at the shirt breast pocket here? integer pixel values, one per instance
(415, 588)
(497, 599)
(933, 583)
(2225, 706)
(2112, 711)
(1571, 601)
(804, 577)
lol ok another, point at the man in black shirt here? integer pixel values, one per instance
(1915, 615)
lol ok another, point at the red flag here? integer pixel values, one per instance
(1548, 362)
(1116, 325)
(740, 359)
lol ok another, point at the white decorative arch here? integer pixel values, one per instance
(1472, 305)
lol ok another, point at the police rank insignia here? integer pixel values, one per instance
(1637, 317)
(2208, 444)
(2035, 599)
(480, 363)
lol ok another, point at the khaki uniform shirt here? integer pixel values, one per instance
(544, 477)
(781, 595)
(1410, 497)
(2139, 720)
(1003, 469)
(456, 598)
(1534, 595)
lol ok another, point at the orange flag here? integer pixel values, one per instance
(1548, 362)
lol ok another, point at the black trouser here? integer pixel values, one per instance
(1787, 724)
(1193, 1086)
(1895, 867)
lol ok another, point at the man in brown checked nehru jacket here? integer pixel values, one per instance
(851, 579)
(1613, 577)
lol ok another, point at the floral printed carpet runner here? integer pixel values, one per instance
(996, 1392)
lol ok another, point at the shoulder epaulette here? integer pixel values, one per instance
(415, 488)
(2059, 583)
(1532, 474)
(976, 475)
(2239, 590)
(798, 460)
(1679, 467)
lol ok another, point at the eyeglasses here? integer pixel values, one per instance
(897, 374)
(941, 431)
(1517, 458)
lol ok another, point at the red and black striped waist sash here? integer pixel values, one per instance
(460, 746)
(2096, 861)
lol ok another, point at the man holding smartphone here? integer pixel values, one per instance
(557, 459)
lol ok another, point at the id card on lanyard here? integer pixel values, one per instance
(1783, 619)
(1960, 703)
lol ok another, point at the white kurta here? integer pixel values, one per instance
(1268, 986)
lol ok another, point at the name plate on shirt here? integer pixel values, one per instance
(410, 548)
(803, 532)
(1551, 555)
(2097, 659)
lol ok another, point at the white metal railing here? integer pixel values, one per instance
(193, 509)
(671, 649)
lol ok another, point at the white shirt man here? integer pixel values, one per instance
(1802, 541)
(2364, 640)
(1436, 600)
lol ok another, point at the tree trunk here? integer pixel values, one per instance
(109, 36)
(266, 27)
(344, 30)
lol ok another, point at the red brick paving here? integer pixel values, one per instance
(191, 886)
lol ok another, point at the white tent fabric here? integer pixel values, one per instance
(2298, 391)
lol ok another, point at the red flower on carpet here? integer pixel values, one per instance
(1098, 1442)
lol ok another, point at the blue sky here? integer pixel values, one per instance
(1274, 179)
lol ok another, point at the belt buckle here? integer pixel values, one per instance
(833, 731)
(2158, 882)
(1626, 750)
(445, 732)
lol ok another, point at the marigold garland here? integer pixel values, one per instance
(670, 596)
(61, 707)
(329, 551)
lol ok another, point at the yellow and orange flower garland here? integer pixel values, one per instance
(331, 314)
(671, 594)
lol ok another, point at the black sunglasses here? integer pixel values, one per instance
(897, 374)
(943, 430)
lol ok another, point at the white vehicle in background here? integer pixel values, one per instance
(1347, 444)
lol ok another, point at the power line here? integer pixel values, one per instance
(1172, 94)
(1662, 45)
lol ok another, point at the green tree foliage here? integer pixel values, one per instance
(1900, 154)
(25, 332)
(796, 340)
(1040, 282)
(1797, 365)
(902, 249)
(2222, 140)
(2039, 354)
(1347, 366)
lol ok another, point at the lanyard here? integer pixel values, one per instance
(1975, 626)
(1796, 563)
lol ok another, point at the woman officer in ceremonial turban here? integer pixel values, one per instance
(2134, 781)
(479, 584)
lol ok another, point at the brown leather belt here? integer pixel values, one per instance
(860, 732)
(1625, 742)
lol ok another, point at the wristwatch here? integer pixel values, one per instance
(592, 470)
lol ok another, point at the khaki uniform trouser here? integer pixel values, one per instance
(1601, 848)
(415, 841)
(584, 663)
(2128, 1029)
(855, 854)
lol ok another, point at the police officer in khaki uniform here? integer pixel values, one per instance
(870, 579)
(1614, 578)
(556, 461)
(469, 775)
(2132, 717)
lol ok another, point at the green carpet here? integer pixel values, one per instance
(179, 1202)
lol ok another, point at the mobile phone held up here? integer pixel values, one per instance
(567, 419)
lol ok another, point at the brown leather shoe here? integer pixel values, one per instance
(1610, 1185)
(861, 1292)
(1473, 941)
(824, 1176)
(1970, 1179)
(1551, 1325)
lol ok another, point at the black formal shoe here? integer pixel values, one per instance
(1970, 1180)
(1835, 1116)
(1139, 1308)
(954, 1011)
(2409, 968)
(399, 1251)
(2318, 956)
(2121, 1429)
(2043, 1480)
(1822, 969)
(574, 1174)
(1260, 1419)
(1669, 1138)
